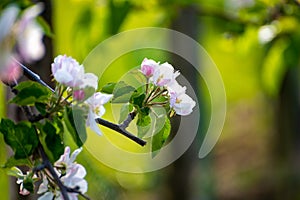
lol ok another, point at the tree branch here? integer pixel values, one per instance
(49, 166)
(121, 130)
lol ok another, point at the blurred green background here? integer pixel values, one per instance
(256, 47)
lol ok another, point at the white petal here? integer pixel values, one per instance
(7, 20)
(90, 80)
(92, 123)
(75, 154)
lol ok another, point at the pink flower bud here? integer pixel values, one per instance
(78, 95)
(148, 66)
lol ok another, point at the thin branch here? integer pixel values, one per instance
(127, 121)
(49, 166)
(32, 76)
(119, 129)
(78, 192)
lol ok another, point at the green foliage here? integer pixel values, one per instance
(75, 122)
(122, 92)
(21, 137)
(52, 142)
(45, 26)
(108, 88)
(143, 124)
(30, 92)
(161, 134)
(118, 12)
(125, 110)
(12, 161)
(28, 184)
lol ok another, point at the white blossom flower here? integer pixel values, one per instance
(148, 66)
(21, 179)
(30, 35)
(67, 71)
(179, 100)
(164, 74)
(71, 175)
(182, 103)
(23, 34)
(96, 109)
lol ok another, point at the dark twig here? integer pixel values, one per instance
(33, 76)
(119, 129)
(127, 121)
(78, 192)
(49, 166)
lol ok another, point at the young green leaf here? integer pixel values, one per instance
(125, 110)
(143, 124)
(30, 92)
(52, 143)
(108, 88)
(122, 92)
(12, 161)
(75, 122)
(21, 137)
(161, 136)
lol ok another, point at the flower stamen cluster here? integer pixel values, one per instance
(161, 81)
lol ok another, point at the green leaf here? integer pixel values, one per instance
(122, 92)
(41, 107)
(12, 161)
(118, 11)
(108, 88)
(30, 92)
(53, 141)
(75, 122)
(14, 171)
(143, 124)
(21, 137)
(28, 184)
(125, 110)
(161, 136)
(138, 100)
(45, 26)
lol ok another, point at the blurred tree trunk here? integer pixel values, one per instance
(287, 142)
(42, 68)
(184, 175)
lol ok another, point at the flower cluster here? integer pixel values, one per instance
(71, 76)
(71, 175)
(20, 38)
(164, 76)
(69, 172)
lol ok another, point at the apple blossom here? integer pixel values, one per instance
(30, 35)
(71, 175)
(164, 74)
(67, 71)
(96, 109)
(181, 103)
(148, 66)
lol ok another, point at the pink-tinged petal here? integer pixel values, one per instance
(148, 66)
(75, 154)
(12, 72)
(79, 95)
